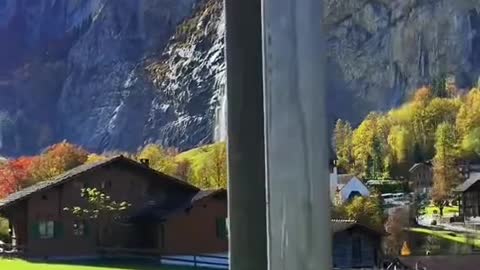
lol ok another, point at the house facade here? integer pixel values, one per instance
(421, 178)
(161, 207)
(469, 198)
(356, 246)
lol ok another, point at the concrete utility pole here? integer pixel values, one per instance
(246, 159)
(299, 235)
(284, 129)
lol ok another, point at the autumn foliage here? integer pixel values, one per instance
(26, 171)
(15, 174)
(210, 171)
(56, 160)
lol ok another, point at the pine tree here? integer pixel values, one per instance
(439, 86)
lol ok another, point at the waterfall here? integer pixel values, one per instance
(220, 133)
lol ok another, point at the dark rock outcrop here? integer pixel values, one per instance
(117, 74)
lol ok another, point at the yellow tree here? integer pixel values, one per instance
(160, 159)
(184, 170)
(445, 174)
(212, 172)
(217, 166)
(95, 158)
(363, 143)
(470, 147)
(468, 117)
(419, 124)
(367, 211)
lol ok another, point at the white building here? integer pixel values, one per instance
(346, 186)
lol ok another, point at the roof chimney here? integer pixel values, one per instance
(145, 161)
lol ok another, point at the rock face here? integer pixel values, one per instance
(118, 74)
(381, 50)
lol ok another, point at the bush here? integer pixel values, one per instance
(4, 235)
(435, 211)
(390, 188)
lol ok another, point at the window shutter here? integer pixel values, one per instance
(58, 230)
(34, 230)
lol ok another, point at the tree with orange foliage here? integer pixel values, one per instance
(58, 159)
(14, 175)
(422, 96)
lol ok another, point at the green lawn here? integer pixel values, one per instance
(197, 156)
(23, 265)
(447, 211)
(447, 235)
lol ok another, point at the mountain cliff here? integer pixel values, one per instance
(118, 74)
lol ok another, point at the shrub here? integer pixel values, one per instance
(4, 234)
(435, 212)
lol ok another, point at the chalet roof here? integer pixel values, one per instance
(202, 194)
(418, 165)
(82, 169)
(340, 225)
(474, 177)
(464, 262)
(343, 179)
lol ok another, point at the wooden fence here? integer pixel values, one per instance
(195, 260)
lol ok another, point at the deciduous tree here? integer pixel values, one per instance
(366, 210)
(184, 170)
(445, 174)
(160, 159)
(468, 117)
(101, 208)
(15, 174)
(58, 159)
(395, 227)
(95, 158)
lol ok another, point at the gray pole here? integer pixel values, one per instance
(299, 235)
(247, 213)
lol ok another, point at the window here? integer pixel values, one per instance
(79, 228)
(46, 229)
(221, 227)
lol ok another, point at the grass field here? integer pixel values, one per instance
(24, 265)
(447, 235)
(447, 211)
(197, 156)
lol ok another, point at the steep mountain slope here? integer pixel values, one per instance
(117, 74)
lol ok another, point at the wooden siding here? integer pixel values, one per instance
(343, 250)
(127, 184)
(471, 201)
